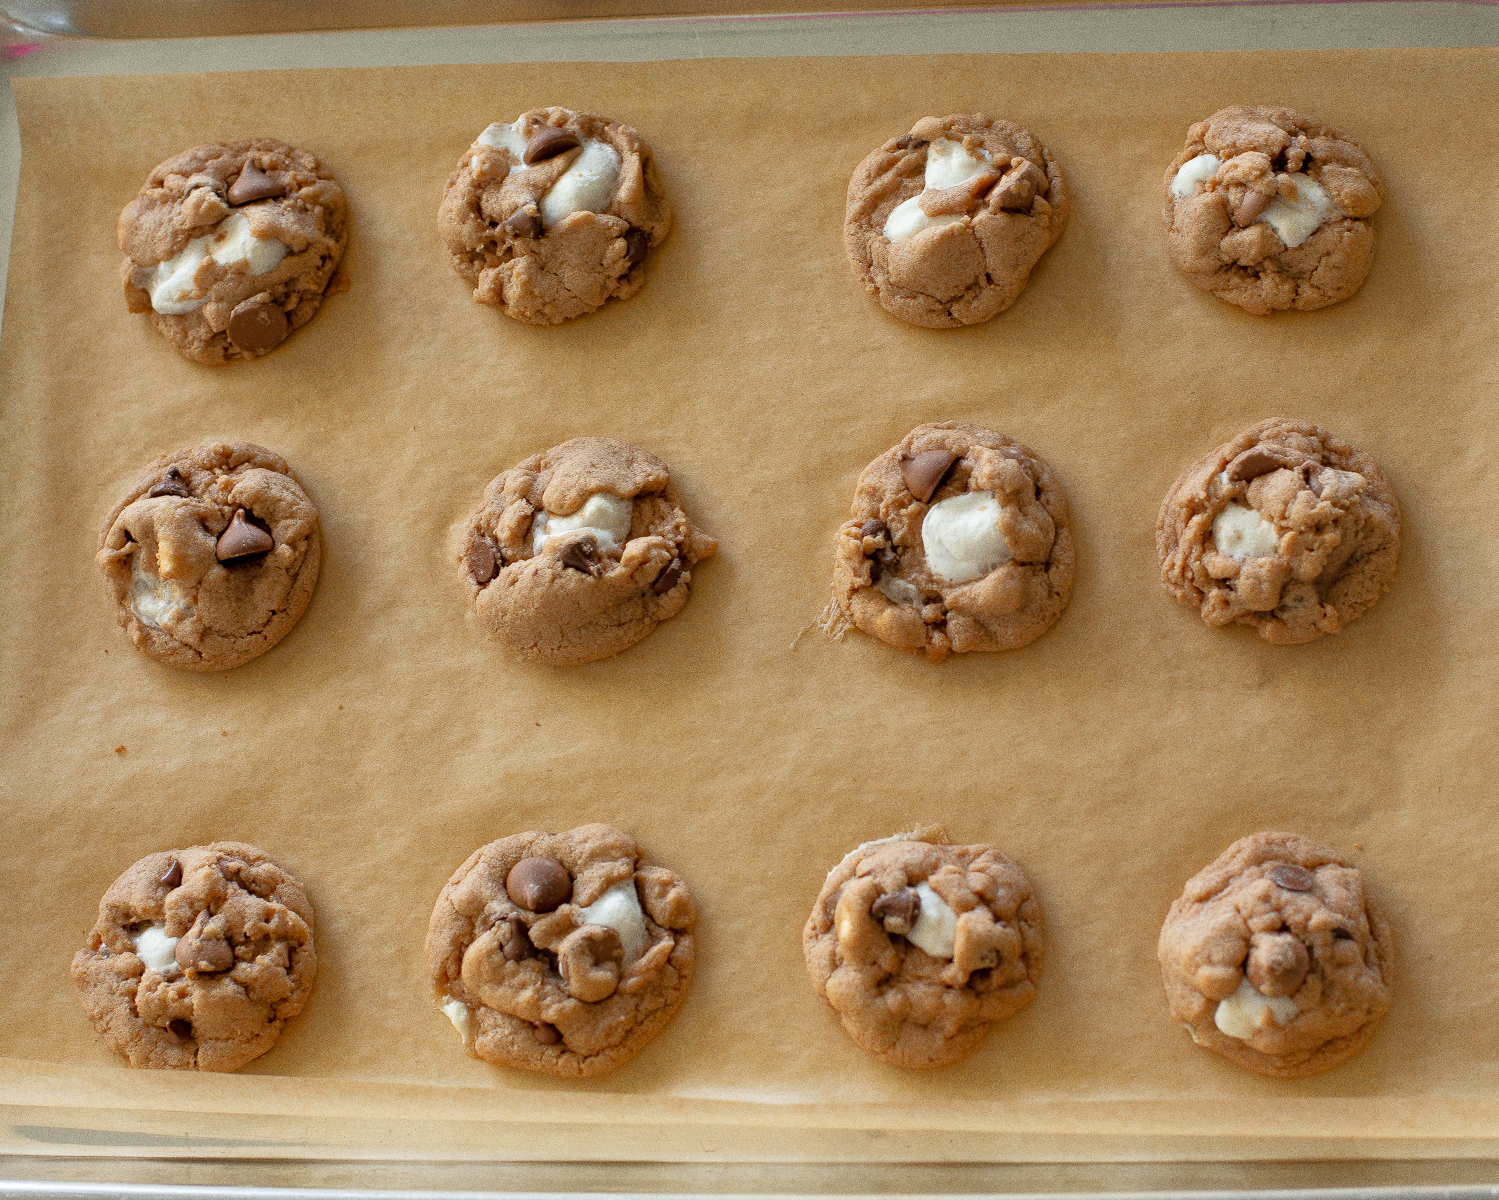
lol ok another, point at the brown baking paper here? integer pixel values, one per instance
(386, 738)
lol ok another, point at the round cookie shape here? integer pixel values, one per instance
(550, 215)
(578, 553)
(211, 555)
(958, 541)
(572, 988)
(198, 959)
(920, 946)
(1286, 528)
(1277, 958)
(230, 248)
(1268, 209)
(943, 224)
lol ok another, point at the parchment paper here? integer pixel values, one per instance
(385, 738)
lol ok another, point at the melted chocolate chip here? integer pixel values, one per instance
(519, 945)
(577, 556)
(909, 141)
(548, 142)
(1291, 877)
(173, 876)
(257, 327)
(242, 539)
(898, 910)
(172, 484)
(524, 223)
(547, 1035)
(1251, 204)
(538, 884)
(179, 1031)
(668, 578)
(637, 246)
(482, 563)
(924, 472)
(1254, 462)
(874, 529)
(254, 184)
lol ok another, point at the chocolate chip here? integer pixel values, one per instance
(257, 327)
(1291, 877)
(546, 143)
(1254, 462)
(668, 578)
(179, 1031)
(519, 945)
(888, 559)
(578, 556)
(538, 884)
(242, 539)
(909, 141)
(898, 910)
(1277, 964)
(924, 472)
(637, 246)
(254, 184)
(482, 564)
(173, 876)
(1312, 472)
(830, 905)
(874, 529)
(1023, 182)
(1251, 204)
(172, 484)
(547, 1035)
(524, 223)
(204, 949)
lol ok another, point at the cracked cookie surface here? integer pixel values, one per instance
(920, 946)
(551, 215)
(198, 959)
(958, 542)
(565, 953)
(943, 224)
(211, 555)
(578, 553)
(1276, 957)
(1268, 209)
(1286, 528)
(230, 248)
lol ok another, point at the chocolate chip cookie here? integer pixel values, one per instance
(578, 553)
(211, 555)
(198, 959)
(565, 953)
(550, 215)
(1285, 528)
(1268, 208)
(944, 224)
(230, 248)
(958, 541)
(920, 946)
(1277, 958)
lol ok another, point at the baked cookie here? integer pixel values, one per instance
(230, 248)
(1276, 957)
(553, 214)
(1268, 208)
(958, 542)
(198, 958)
(578, 553)
(919, 946)
(944, 224)
(565, 953)
(1285, 528)
(211, 555)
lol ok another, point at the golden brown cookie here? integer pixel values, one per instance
(1286, 528)
(920, 946)
(565, 953)
(551, 215)
(944, 224)
(1277, 958)
(1268, 208)
(198, 959)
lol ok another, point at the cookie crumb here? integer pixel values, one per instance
(119, 749)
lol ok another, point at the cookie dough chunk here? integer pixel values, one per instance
(1277, 958)
(944, 224)
(565, 953)
(1268, 209)
(920, 946)
(1285, 528)
(230, 248)
(578, 553)
(551, 215)
(198, 959)
(958, 541)
(211, 555)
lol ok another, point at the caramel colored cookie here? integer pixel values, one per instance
(211, 555)
(564, 953)
(198, 958)
(230, 248)
(920, 946)
(578, 553)
(1276, 958)
(1285, 528)
(550, 216)
(1268, 209)
(944, 224)
(958, 542)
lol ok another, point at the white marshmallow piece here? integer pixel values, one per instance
(936, 924)
(462, 1017)
(899, 591)
(947, 165)
(231, 242)
(1242, 533)
(153, 599)
(1194, 171)
(962, 538)
(1296, 220)
(157, 951)
(605, 516)
(619, 909)
(1247, 1011)
(504, 137)
(586, 186)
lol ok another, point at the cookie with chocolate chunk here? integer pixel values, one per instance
(564, 953)
(578, 553)
(230, 248)
(198, 959)
(943, 224)
(920, 946)
(549, 216)
(1269, 209)
(958, 541)
(1287, 529)
(1277, 957)
(211, 555)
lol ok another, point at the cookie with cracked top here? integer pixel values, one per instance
(1277, 957)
